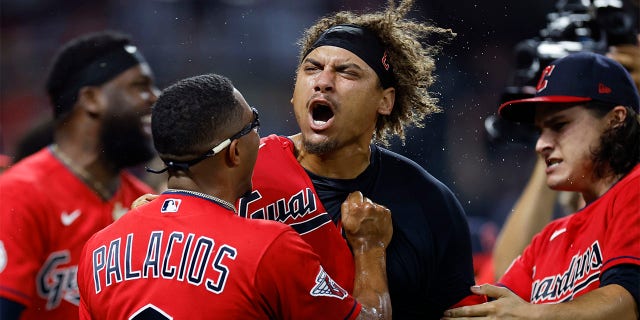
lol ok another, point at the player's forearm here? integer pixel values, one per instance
(371, 288)
(530, 214)
(608, 302)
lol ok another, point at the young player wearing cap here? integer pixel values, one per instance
(587, 265)
(537, 204)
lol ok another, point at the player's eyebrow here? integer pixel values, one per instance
(550, 121)
(338, 66)
(348, 65)
(313, 62)
(142, 78)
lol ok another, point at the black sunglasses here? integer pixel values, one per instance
(215, 150)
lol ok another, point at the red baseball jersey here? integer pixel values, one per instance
(567, 258)
(287, 195)
(187, 256)
(46, 215)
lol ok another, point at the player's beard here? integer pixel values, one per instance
(124, 143)
(319, 148)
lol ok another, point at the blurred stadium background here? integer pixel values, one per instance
(254, 43)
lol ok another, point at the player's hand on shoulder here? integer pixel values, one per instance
(366, 224)
(143, 199)
(504, 304)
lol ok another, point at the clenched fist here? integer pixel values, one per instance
(366, 224)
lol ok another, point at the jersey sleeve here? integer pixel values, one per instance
(622, 245)
(295, 286)
(21, 245)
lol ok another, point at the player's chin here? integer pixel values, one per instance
(319, 143)
(560, 184)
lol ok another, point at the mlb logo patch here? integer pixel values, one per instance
(170, 205)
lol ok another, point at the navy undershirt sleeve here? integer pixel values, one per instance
(9, 309)
(625, 275)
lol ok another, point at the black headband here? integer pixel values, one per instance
(361, 42)
(98, 71)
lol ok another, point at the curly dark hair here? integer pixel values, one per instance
(190, 115)
(619, 149)
(412, 61)
(71, 58)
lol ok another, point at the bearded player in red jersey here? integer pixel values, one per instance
(101, 89)
(188, 255)
(586, 265)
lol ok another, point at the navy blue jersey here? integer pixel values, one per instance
(429, 262)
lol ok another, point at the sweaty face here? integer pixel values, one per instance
(125, 132)
(568, 135)
(336, 100)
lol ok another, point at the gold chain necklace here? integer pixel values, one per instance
(85, 176)
(217, 200)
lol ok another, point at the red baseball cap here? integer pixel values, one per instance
(578, 77)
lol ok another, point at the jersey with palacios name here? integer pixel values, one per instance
(569, 256)
(46, 215)
(282, 191)
(185, 256)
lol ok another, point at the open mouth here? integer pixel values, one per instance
(321, 114)
(552, 162)
(146, 124)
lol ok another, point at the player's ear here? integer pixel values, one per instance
(386, 102)
(91, 100)
(233, 153)
(617, 115)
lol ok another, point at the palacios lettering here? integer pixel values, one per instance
(176, 257)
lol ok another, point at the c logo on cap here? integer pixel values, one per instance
(385, 64)
(542, 83)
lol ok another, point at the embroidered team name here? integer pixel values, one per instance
(56, 283)
(295, 207)
(583, 270)
(175, 257)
